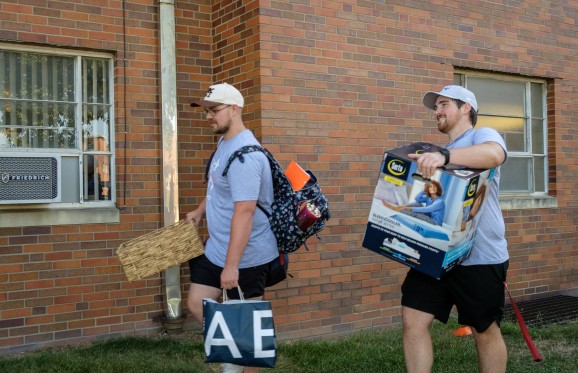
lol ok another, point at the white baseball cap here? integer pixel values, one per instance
(221, 94)
(451, 91)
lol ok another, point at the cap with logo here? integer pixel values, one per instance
(219, 94)
(451, 91)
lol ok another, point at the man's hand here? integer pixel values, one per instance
(428, 163)
(195, 216)
(229, 277)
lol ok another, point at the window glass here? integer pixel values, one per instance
(29, 124)
(95, 128)
(498, 97)
(538, 136)
(516, 108)
(96, 177)
(515, 175)
(36, 100)
(537, 100)
(95, 76)
(36, 76)
(539, 174)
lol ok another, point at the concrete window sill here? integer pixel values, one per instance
(530, 202)
(11, 217)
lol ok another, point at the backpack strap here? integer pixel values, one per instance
(281, 185)
(267, 214)
(249, 149)
(206, 180)
(208, 168)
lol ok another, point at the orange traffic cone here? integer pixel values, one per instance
(462, 331)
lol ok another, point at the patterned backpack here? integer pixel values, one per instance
(287, 202)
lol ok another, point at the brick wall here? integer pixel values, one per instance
(329, 86)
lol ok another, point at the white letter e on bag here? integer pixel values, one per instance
(259, 333)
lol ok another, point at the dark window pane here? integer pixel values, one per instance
(539, 174)
(96, 178)
(538, 136)
(515, 175)
(537, 100)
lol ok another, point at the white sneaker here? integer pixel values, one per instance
(231, 368)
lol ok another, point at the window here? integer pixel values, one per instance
(516, 108)
(59, 102)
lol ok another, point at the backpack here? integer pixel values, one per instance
(287, 202)
(285, 207)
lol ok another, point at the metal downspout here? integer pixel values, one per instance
(169, 146)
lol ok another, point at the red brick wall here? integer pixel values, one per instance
(331, 87)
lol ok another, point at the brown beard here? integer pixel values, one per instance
(222, 130)
(444, 127)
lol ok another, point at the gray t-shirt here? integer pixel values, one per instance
(248, 181)
(490, 245)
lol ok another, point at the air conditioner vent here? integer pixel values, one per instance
(26, 178)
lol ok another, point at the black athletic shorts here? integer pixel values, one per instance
(251, 280)
(476, 291)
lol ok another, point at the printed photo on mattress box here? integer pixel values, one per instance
(427, 224)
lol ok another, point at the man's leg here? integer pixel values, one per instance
(417, 344)
(195, 298)
(492, 352)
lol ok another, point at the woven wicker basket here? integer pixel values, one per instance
(160, 249)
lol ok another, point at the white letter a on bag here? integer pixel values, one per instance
(218, 321)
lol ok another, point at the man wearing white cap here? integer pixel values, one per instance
(241, 244)
(476, 287)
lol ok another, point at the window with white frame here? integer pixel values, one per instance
(59, 102)
(516, 108)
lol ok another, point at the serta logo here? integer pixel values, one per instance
(472, 188)
(395, 167)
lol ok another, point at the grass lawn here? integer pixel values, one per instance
(364, 352)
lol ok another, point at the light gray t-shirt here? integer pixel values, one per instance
(490, 245)
(247, 181)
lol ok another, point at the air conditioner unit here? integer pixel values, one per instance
(29, 178)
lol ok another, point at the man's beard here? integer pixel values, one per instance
(443, 125)
(221, 130)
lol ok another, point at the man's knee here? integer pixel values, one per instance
(415, 321)
(195, 306)
(490, 335)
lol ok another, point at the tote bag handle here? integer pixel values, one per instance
(226, 297)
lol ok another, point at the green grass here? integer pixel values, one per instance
(364, 352)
